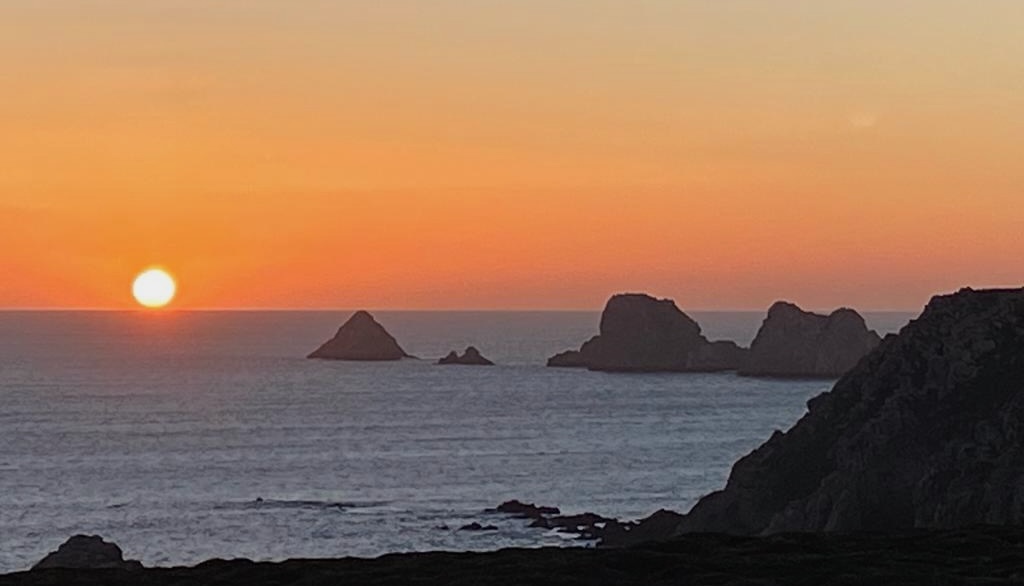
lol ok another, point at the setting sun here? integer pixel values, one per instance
(154, 288)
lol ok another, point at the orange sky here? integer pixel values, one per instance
(529, 154)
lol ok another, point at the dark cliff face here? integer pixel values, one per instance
(361, 338)
(796, 343)
(926, 431)
(639, 333)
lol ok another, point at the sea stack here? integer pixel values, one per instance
(639, 333)
(796, 343)
(361, 338)
(471, 357)
(925, 432)
(83, 552)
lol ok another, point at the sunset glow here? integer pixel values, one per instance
(511, 155)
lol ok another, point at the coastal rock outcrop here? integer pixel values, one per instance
(927, 431)
(639, 333)
(568, 359)
(83, 552)
(471, 357)
(796, 343)
(361, 338)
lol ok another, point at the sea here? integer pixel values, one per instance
(184, 436)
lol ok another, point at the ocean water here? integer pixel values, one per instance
(161, 431)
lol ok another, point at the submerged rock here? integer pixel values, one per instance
(797, 343)
(361, 338)
(639, 333)
(474, 526)
(471, 357)
(926, 432)
(87, 552)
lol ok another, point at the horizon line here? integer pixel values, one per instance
(386, 309)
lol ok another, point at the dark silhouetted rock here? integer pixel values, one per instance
(568, 359)
(87, 552)
(471, 357)
(523, 510)
(927, 431)
(361, 338)
(642, 334)
(587, 525)
(656, 527)
(796, 343)
(474, 526)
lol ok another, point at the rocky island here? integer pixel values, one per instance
(471, 357)
(639, 333)
(361, 338)
(796, 343)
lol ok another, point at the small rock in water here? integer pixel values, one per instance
(474, 526)
(471, 357)
(524, 510)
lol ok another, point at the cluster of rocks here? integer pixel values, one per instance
(363, 338)
(471, 357)
(639, 333)
(926, 432)
(589, 526)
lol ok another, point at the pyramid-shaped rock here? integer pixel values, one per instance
(361, 338)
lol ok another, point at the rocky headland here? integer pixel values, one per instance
(470, 357)
(797, 343)
(361, 338)
(639, 333)
(926, 432)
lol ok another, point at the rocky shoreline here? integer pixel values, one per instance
(979, 555)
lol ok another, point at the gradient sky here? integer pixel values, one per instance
(510, 154)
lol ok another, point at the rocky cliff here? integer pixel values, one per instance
(639, 333)
(927, 431)
(361, 338)
(797, 343)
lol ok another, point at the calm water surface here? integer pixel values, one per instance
(161, 431)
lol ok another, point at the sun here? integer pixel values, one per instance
(154, 288)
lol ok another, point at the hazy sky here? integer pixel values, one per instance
(510, 154)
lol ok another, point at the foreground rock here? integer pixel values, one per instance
(797, 343)
(639, 333)
(361, 338)
(471, 357)
(87, 552)
(982, 555)
(926, 432)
